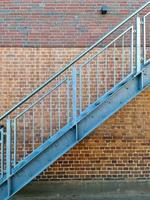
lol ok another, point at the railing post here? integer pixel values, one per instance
(138, 44)
(15, 141)
(74, 93)
(8, 155)
(144, 40)
(74, 100)
(2, 151)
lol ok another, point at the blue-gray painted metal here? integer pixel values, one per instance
(51, 114)
(74, 97)
(33, 130)
(73, 61)
(81, 125)
(131, 50)
(41, 98)
(68, 101)
(59, 109)
(15, 141)
(2, 152)
(74, 94)
(65, 139)
(138, 44)
(145, 27)
(8, 157)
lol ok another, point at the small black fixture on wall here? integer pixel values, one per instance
(104, 10)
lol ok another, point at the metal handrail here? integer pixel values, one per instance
(72, 62)
(108, 45)
(41, 98)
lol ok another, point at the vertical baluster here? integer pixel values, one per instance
(33, 129)
(24, 135)
(68, 100)
(74, 98)
(106, 70)
(144, 39)
(15, 141)
(81, 95)
(42, 121)
(97, 76)
(2, 151)
(123, 59)
(114, 56)
(138, 44)
(51, 115)
(74, 93)
(131, 53)
(59, 108)
(89, 83)
(8, 155)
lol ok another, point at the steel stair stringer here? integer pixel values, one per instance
(72, 134)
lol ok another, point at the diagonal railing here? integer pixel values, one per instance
(65, 96)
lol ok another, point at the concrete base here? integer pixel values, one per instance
(86, 190)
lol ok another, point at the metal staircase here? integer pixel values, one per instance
(73, 102)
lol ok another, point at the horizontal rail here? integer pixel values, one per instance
(147, 14)
(41, 98)
(72, 62)
(108, 45)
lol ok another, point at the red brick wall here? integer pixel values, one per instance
(119, 149)
(24, 69)
(60, 23)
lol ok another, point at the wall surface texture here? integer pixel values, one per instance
(37, 38)
(59, 23)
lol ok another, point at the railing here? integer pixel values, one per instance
(63, 98)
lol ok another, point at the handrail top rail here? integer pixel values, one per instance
(72, 62)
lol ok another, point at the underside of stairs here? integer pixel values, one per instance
(81, 125)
